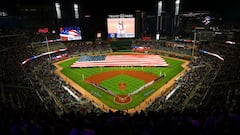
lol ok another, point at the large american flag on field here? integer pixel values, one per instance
(124, 60)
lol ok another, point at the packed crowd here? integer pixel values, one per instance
(164, 45)
(34, 101)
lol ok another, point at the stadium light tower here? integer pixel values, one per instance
(177, 3)
(58, 10)
(159, 17)
(76, 10)
(194, 42)
(176, 14)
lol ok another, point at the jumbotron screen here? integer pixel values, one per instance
(121, 27)
(70, 33)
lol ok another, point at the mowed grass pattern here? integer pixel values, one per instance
(78, 74)
(131, 84)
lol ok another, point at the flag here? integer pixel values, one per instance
(212, 54)
(123, 60)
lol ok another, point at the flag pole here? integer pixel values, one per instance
(48, 49)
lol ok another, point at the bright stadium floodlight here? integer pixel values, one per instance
(159, 8)
(177, 3)
(3, 14)
(58, 10)
(76, 11)
(176, 17)
(159, 16)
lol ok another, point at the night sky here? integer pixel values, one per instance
(148, 5)
(101, 8)
(229, 10)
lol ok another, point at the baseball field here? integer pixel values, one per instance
(125, 88)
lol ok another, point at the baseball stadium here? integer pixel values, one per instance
(78, 68)
(127, 81)
(119, 78)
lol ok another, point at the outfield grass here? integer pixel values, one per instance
(78, 74)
